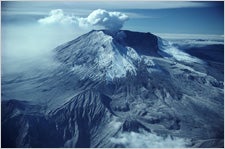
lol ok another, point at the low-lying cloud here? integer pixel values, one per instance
(30, 46)
(98, 18)
(148, 140)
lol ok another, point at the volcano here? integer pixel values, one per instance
(116, 89)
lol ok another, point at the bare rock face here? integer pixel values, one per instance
(112, 89)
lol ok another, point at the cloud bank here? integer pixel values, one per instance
(148, 140)
(192, 40)
(30, 46)
(98, 18)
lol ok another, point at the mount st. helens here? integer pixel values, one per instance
(110, 84)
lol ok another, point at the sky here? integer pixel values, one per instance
(157, 17)
(30, 30)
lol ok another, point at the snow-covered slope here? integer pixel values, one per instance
(107, 54)
(111, 89)
(169, 51)
(115, 54)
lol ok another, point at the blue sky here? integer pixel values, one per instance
(157, 17)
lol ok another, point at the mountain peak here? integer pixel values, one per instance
(114, 54)
(144, 43)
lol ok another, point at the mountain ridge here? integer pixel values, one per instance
(109, 87)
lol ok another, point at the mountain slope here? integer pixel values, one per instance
(114, 87)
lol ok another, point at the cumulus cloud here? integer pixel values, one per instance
(148, 140)
(57, 16)
(98, 18)
(103, 18)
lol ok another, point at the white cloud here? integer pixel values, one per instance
(196, 43)
(97, 18)
(190, 36)
(192, 39)
(26, 47)
(148, 140)
(115, 123)
(57, 16)
(103, 18)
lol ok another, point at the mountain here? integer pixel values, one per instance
(121, 89)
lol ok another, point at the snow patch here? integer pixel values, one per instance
(131, 53)
(148, 61)
(111, 60)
